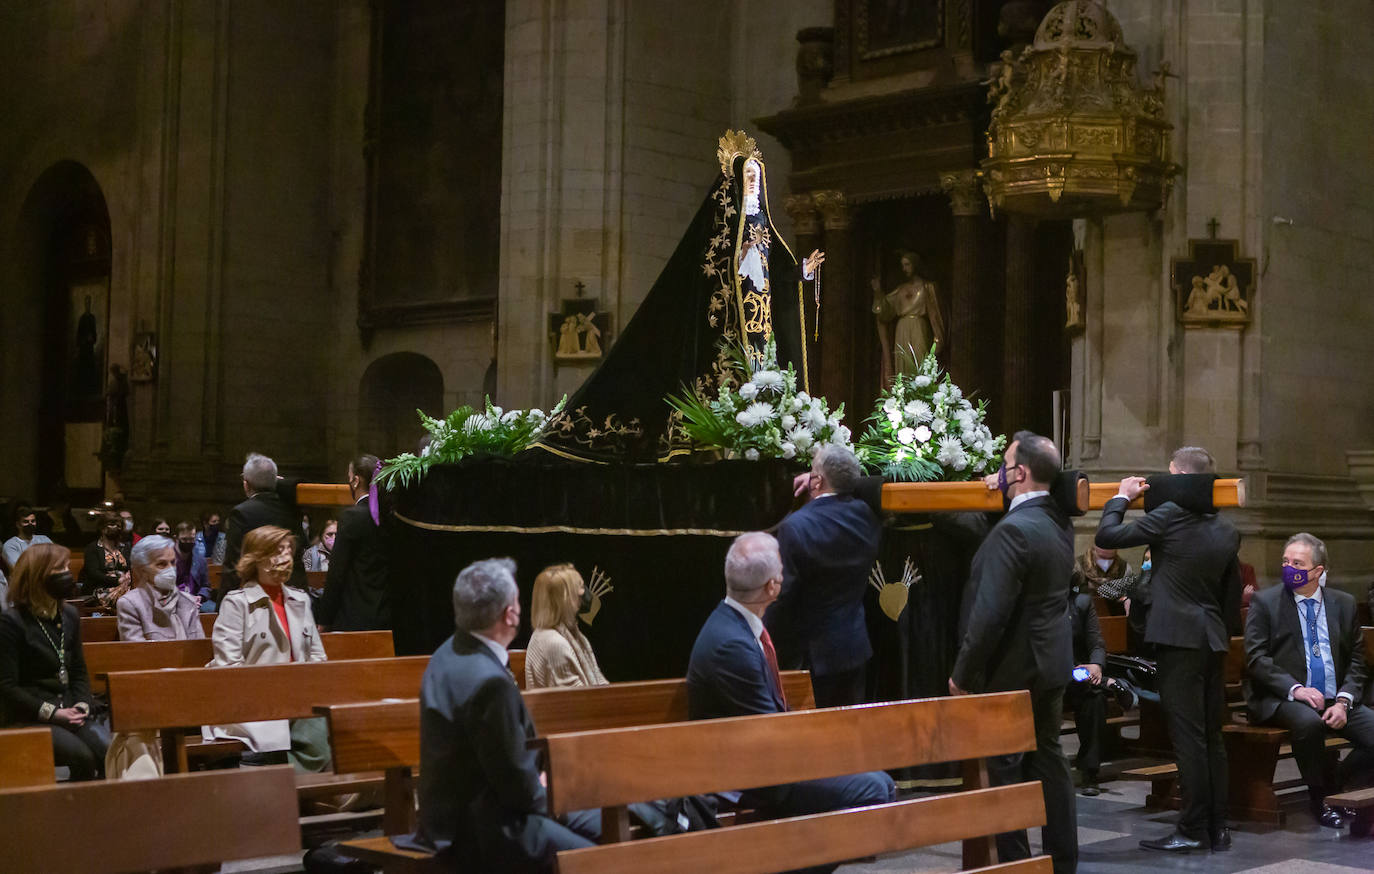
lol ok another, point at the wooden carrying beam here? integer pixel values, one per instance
(323, 495)
(1225, 493)
(26, 758)
(143, 700)
(838, 836)
(973, 496)
(142, 825)
(598, 769)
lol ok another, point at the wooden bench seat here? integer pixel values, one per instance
(1361, 801)
(141, 825)
(26, 758)
(611, 768)
(385, 735)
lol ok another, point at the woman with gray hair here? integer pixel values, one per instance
(155, 609)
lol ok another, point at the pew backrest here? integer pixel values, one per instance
(146, 700)
(381, 735)
(610, 768)
(139, 825)
(105, 629)
(26, 758)
(107, 657)
(1113, 632)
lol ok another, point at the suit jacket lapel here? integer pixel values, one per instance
(759, 657)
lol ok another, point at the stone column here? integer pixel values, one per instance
(962, 326)
(836, 380)
(806, 224)
(1018, 376)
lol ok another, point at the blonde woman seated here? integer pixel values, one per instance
(559, 654)
(266, 622)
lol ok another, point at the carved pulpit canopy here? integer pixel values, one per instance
(1073, 132)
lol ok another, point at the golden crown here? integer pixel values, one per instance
(732, 145)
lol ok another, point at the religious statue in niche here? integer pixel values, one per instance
(143, 366)
(908, 317)
(578, 332)
(1073, 293)
(1213, 284)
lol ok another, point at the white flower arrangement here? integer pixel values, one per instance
(923, 428)
(464, 432)
(763, 415)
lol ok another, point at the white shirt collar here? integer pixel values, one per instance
(755, 623)
(1024, 497)
(1316, 596)
(501, 655)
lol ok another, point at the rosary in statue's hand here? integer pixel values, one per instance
(811, 269)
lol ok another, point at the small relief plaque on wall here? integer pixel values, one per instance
(1213, 284)
(578, 332)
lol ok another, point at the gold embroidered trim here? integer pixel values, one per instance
(568, 529)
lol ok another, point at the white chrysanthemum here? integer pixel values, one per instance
(789, 449)
(906, 436)
(841, 436)
(751, 455)
(894, 418)
(802, 439)
(961, 462)
(803, 397)
(789, 422)
(536, 415)
(939, 396)
(922, 434)
(950, 451)
(969, 438)
(939, 426)
(510, 417)
(921, 381)
(748, 391)
(797, 404)
(890, 406)
(814, 418)
(768, 380)
(755, 414)
(918, 411)
(953, 391)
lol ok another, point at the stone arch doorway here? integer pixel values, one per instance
(393, 387)
(56, 311)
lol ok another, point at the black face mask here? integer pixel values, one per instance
(186, 545)
(28, 529)
(60, 586)
(586, 603)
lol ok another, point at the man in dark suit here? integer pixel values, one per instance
(271, 500)
(1195, 600)
(1305, 667)
(357, 592)
(733, 672)
(1018, 636)
(828, 549)
(482, 794)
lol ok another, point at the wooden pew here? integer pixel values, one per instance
(1113, 632)
(612, 768)
(103, 629)
(385, 735)
(107, 657)
(171, 699)
(26, 758)
(141, 825)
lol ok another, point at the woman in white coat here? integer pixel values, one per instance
(267, 622)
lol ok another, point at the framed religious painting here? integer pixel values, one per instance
(432, 139)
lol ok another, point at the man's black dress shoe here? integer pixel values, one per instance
(1221, 840)
(1177, 842)
(1330, 817)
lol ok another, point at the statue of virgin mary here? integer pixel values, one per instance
(732, 278)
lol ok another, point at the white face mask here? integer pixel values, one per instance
(1104, 563)
(166, 579)
(128, 525)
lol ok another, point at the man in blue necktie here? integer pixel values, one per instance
(1305, 667)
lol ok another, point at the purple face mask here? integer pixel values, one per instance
(1002, 483)
(1294, 578)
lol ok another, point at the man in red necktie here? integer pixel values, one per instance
(733, 672)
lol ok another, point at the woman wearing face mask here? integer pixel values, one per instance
(267, 622)
(193, 573)
(559, 653)
(155, 609)
(209, 542)
(105, 574)
(43, 678)
(316, 558)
